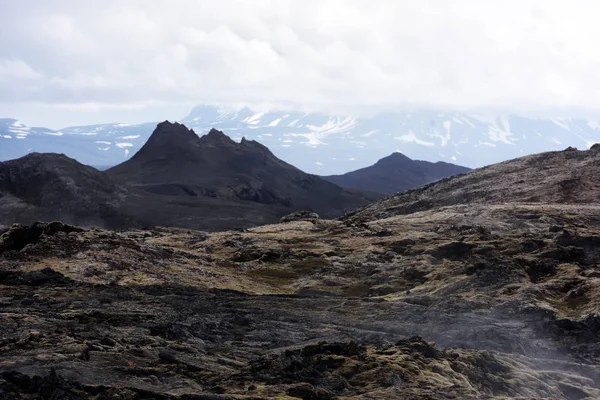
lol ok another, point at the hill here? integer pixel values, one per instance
(396, 173)
(568, 176)
(55, 187)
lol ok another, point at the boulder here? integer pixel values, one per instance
(300, 216)
(19, 236)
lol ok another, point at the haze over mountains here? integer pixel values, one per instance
(324, 144)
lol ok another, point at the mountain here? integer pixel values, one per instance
(176, 179)
(322, 143)
(396, 173)
(175, 161)
(48, 187)
(561, 177)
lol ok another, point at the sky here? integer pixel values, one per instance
(72, 62)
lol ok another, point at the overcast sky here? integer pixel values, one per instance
(66, 62)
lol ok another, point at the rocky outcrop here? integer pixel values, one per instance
(19, 236)
(300, 216)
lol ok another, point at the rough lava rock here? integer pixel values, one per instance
(300, 216)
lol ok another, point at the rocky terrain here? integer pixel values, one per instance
(396, 173)
(494, 296)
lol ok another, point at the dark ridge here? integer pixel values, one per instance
(396, 173)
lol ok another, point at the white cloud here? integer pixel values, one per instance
(17, 69)
(323, 55)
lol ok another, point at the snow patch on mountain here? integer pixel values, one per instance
(410, 137)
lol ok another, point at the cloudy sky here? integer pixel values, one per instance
(66, 62)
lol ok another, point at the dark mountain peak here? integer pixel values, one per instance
(394, 158)
(217, 139)
(216, 134)
(174, 130)
(215, 166)
(396, 173)
(44, 160)
(168, 138)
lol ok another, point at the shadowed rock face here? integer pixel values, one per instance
(396, 173)
(176, 161)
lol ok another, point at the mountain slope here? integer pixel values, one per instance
(175, 161)
(325, 144)
(47, 187)
(563, 177)
(55, 187)
(396, 173)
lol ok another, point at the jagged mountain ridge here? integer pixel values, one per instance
(175, 160)
(177, 179)
(325, 144)
(396, 173)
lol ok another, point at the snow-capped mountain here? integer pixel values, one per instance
(321, 143)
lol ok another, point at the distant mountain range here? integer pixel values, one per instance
(396, 173)
(320, 143)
